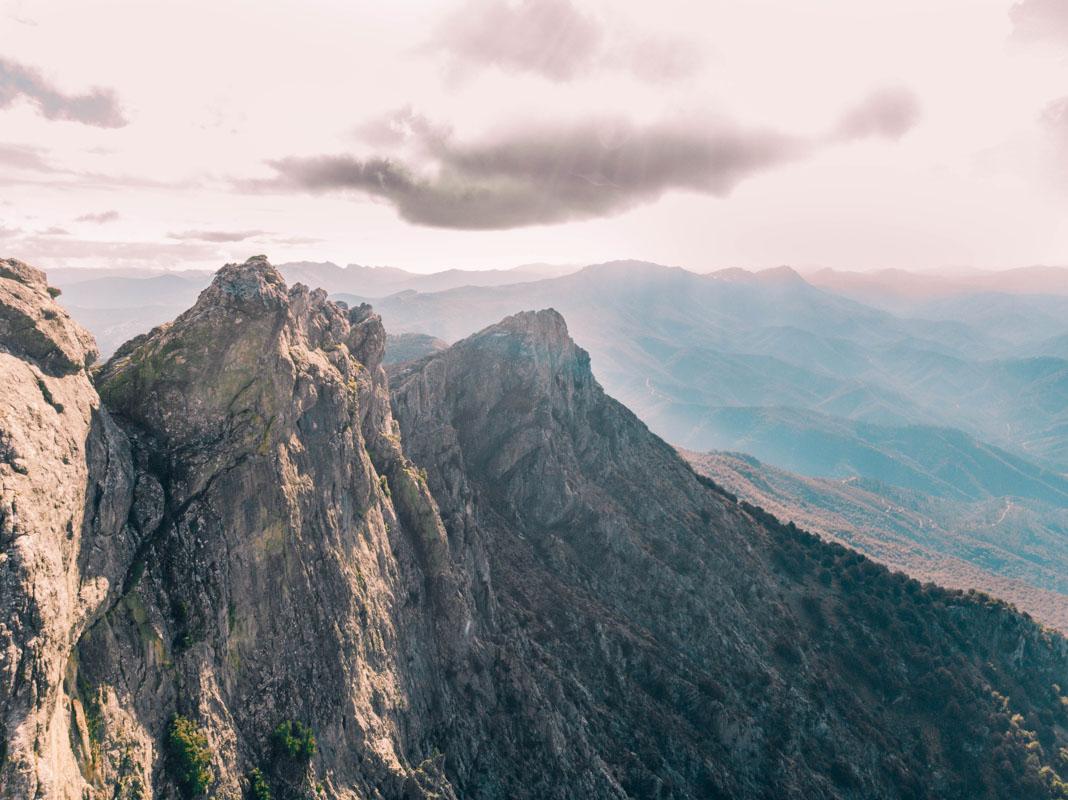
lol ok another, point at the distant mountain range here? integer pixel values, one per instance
(902, 290)
(680, 347)
(116, 304)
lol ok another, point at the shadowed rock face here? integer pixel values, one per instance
(495, 583)
(652, 637)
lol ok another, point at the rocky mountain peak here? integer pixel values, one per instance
(232, 364)
(256, 542)
(247, 287)
(535, 341)
(526, 367)
(547, 324)
(64, 477)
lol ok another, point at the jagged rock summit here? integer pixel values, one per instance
(237, 563)
(261, 569)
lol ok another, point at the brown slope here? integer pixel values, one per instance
(1008, 546)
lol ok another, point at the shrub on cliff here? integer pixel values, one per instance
(188, 758)
(294, 741)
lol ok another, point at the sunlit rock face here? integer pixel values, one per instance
(67, 485)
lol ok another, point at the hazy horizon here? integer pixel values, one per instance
(483, 134)
(555, 268)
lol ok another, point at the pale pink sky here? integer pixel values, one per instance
(427, 135)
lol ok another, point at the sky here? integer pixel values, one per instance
(853, 134)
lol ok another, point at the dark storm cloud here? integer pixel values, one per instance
(215, 236)
(556, 40)
(548, 175)
(99, 218)
(1040, 21)
(98, 107)
(889, 113)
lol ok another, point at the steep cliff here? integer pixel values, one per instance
(257, 574)
(65, 487)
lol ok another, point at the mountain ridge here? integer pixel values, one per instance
(483, 578)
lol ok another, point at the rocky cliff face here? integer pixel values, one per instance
(66, 482)
(257, 551)
(233, 567)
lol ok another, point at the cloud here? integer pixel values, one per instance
(656, 59)
(99, 218)
(1040, 21)
(1054, 117)
(1054, 125)
(216, 236)
(55, 231)
(61, 249)
(556, 40)
(889, 113)
(98, 107)
(296, 240)
(9, 233)
(400, 127)
(24, 157)
(549, 37)
(543, 175)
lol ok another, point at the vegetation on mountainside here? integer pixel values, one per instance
(258, 787)
(847, 630)
(187, 757)
(294, 741)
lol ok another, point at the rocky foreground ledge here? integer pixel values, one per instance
(236, 562)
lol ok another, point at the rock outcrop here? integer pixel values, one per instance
(235, 564)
